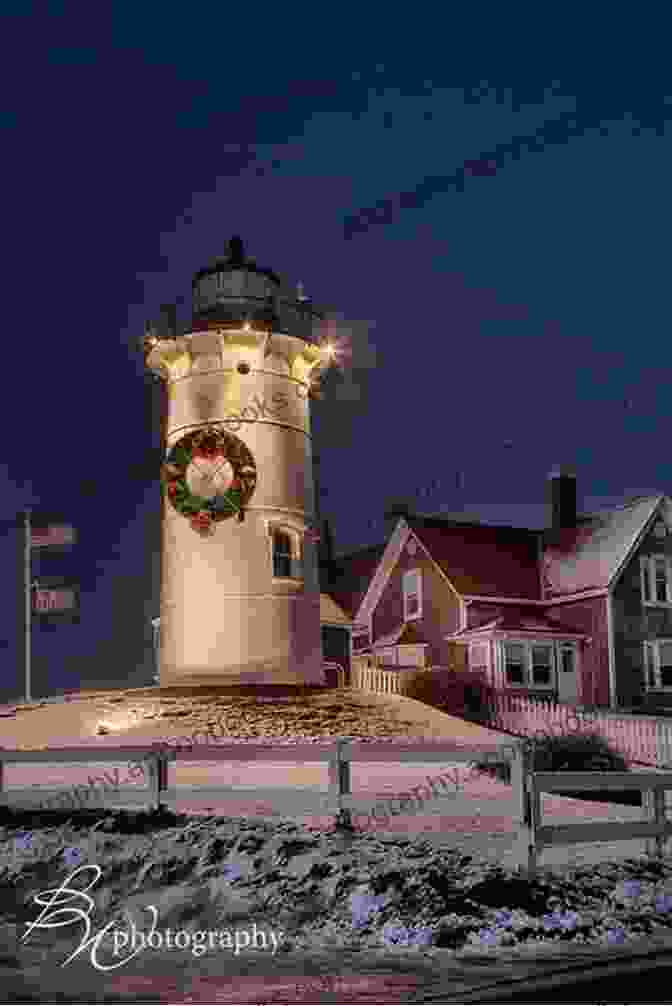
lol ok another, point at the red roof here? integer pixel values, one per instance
(483, 559)
(498, 561)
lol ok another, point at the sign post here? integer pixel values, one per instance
(27, 588)
(48, 601)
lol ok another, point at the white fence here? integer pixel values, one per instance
(367, 676)
(527, 786)
(643, 739)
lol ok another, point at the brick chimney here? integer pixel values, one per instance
(561, 498)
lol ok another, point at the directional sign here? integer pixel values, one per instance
(54, 599)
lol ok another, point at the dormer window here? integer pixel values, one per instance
(656, 579)
(412, 589)
(287, 558)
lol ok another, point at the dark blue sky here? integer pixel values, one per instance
(485, 205)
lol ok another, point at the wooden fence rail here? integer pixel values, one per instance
(533, 837)
(527, 785)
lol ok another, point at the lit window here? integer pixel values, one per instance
(412, 589)
(656, 579)
(658, 663)
(287, 561)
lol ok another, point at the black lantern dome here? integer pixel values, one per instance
(234, 290)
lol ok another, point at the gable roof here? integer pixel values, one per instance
(593, 553)
(498, 561)
(483, 559)
(352, 575)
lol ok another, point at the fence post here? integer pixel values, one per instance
(662, 744)
(522, 783)
(339, 786)
(654, 802)
(158, 778)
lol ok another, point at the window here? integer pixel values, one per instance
(287, 562)
(529, 665)
(514, 655)
(658, 663)
(412, 588)
(656, 579)
(542, 664)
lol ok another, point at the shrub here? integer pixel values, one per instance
(576, 752)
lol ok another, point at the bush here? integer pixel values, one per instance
(577, 752)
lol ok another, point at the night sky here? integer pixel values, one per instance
(483, 208)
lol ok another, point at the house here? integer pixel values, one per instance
(580, 611)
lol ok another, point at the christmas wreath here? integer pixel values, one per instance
(209, 475)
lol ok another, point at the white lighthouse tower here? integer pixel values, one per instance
(240, 600)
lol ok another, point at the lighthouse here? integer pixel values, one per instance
(240, 597)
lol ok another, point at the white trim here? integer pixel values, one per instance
(386, 565)
(584, 595)
(613, 695)
(492, 631)
(636, 541)
(436, 565)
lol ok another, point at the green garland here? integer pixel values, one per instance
(209, 443)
